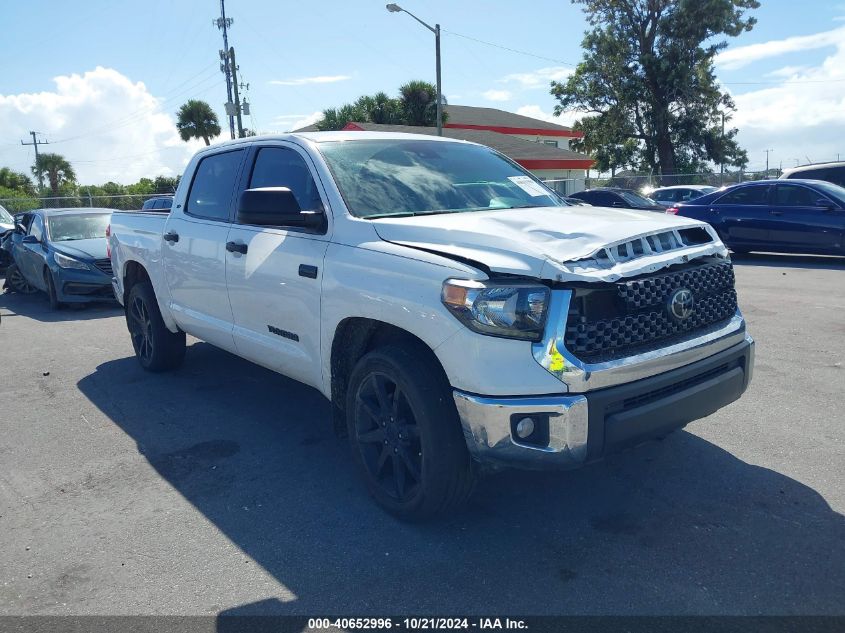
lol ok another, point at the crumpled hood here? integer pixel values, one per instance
(555, 243)
(94, 248)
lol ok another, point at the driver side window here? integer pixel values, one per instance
(37, 228)
(282, 167)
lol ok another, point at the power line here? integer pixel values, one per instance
(512, 50)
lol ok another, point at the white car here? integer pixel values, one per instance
(455, 316)
(674, 194)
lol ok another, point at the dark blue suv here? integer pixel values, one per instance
(795, 216)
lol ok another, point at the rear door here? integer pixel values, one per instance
(194, 249)
(744, 215)
(799, 224)
(274, 286)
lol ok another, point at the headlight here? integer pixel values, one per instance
(506, 309)
(69, 262)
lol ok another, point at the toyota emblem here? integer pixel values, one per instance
(681, 304)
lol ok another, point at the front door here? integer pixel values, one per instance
(799, 224)
(194, 250)
(274, 286)
(30, 257)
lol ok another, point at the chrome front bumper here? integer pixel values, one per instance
(588, 426)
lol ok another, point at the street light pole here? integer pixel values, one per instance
(395, 8)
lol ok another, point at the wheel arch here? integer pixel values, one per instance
(353, 338)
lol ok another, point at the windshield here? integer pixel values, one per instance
(77, 227)
(409, 177)
(834, 191)
(634, 198)
(5, 218)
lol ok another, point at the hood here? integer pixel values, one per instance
(95, 248)
(555, 243)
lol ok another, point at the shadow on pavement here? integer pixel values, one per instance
(679, 527)
(774, 260)
(36, 306)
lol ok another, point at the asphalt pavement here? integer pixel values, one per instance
(220, 488)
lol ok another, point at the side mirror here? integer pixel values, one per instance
(30, 239)
(276, 206)
(825, 204)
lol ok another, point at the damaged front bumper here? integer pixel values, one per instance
(571, 430)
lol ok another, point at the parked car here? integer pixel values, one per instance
(63, 252)
(831, 172)
(158, 203)
(576, 202)
(798, 216)
(455, 315)
(618, 198)
(669, 196)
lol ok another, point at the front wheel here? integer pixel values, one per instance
(156, 347)
(405, 434)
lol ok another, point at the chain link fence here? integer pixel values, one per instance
(122, 202)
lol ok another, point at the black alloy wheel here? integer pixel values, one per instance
(141, 329)
(388, 437)
(17, 282)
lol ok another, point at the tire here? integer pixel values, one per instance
(405, 434)
(50, 285)
(16, 282)
(157, 348)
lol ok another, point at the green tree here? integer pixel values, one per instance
(416, 105)
(166, 184)
(196, 119)
(16, 181)
(648, 86)
(56, 169)
(419, 103)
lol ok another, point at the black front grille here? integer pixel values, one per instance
(617, 320)
(104, 265)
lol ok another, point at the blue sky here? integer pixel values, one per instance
(102, 80)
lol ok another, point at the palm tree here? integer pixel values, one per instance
(57, 170)
(196, 119)
(419, 103)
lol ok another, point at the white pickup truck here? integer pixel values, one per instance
(456, 313)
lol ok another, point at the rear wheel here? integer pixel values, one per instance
(16, 282)
(156, 347)
(55, 304)
(405, 434)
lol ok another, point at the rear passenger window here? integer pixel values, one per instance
(211, 192)
(755, 194)
(282, 167)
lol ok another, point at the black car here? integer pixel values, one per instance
(618, 198)
(159, 203)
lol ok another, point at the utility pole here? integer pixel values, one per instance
(35, 143)
(223, 23)
(767, 161)
(234, 67)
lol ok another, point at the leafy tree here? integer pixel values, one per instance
(416, 105)
(648, 85)
(57, 169)
(16, 181)
(166, 184)
(196, 119)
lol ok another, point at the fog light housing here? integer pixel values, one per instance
(531, 429)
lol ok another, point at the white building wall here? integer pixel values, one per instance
(565, 181)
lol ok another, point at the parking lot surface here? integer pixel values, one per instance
(220, 488)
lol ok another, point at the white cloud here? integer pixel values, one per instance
(536, 112)
(294, 122)
(802, 117)
(108, 127)
(787, 71)
(538, 78)
(319, 79)
(740, 56)
(497, 95)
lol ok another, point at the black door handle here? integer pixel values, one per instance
(170, 236)
(307, 271)
(234, 247)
